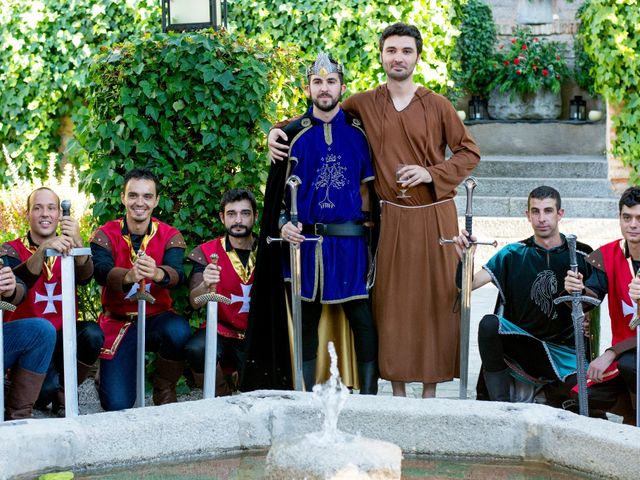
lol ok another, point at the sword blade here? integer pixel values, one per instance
(296, 313)
(140, 354)
(2, 366)
(577, 315)
(465, 318)
(637, 373)
(210, 351)
(69, 339)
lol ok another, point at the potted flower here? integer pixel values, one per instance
(527, 76)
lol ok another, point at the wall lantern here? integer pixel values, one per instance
(188, 15)
(477, 108)
(577, 109)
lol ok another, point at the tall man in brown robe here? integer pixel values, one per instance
(414, 296)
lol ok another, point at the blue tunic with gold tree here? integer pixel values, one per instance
(332, 160)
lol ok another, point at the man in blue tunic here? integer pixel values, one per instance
(529, 337)
(330, 154)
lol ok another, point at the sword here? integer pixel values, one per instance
(294, 182)
(635, 321)
(469, 184)
(577, 315)
(69, 340)
(211, 332)
(10, 308)
(143, 297)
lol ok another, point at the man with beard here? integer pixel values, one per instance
(231, 276)
(616, 267)
(43, 276)
(415, 310)
(330, 154)
(121, 270)
(530, 338)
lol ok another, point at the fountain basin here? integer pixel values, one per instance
(256, 420)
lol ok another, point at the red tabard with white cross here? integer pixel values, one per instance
(232, 319)
(44, 298)
(121, 253)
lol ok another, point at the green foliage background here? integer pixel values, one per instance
(349, 30)
(612, 41)
(46, 48)
(475, 48)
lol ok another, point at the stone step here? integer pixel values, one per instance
(542, 166)
(539, 138)
(515, 206)
(521, 186)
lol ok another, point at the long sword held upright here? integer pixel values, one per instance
(10, 308)
(577, 315)
(467, 285)
(633, 324)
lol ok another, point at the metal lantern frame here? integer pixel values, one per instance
(477, 108)
(577, 109)
(214, 22)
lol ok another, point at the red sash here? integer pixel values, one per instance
(122, 303)
(235, 283)
(44, 298)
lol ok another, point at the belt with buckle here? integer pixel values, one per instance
(347, 229)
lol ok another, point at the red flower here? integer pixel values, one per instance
(535, 39)
(557, 57)
(557, 77)
(524, 47)
(513, 41)
(516, 61)
(506, 62)
(519, 72)
(545, 72)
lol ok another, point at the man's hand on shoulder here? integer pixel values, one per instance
(278, 150)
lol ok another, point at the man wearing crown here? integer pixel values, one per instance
(330, 154)
(134, 252)
(42, 275)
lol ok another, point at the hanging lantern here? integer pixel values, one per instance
(188, 15)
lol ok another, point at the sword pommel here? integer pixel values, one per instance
(469, 184)
(66, 207)
(573, 258)
(293, 182)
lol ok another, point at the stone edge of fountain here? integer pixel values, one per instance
(253, 420)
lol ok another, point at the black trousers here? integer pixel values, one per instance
(358, 313)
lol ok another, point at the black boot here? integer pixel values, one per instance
(498, 385)
(309, 374)
(368, 377)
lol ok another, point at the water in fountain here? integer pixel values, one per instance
(331, 453)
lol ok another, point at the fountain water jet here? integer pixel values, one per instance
(331, 453)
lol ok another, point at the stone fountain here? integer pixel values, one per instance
(331, 453)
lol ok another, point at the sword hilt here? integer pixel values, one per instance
(469, 184)
(142, 293)
(6, 306)
(211, 295)
(444, 241)
(66, 207)
(635, 321)
(293, 182)
(271, 240)
(582, 298)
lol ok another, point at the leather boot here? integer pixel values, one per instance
(57, 406)
(368, 377)
(498, 385)
(198, 379)
(309, 374)
(167, 374)
(23, 392)
(223, 388)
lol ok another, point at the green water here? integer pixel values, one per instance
(251, 465)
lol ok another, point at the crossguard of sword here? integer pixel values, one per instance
(142, 293)
(211, 295)
(6, 306)
(271, 240)
(583, 298)
(444, 241)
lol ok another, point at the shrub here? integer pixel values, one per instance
(528, 64)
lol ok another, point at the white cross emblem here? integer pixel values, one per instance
(629, 309)
(50, 307)
(245, 298)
